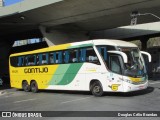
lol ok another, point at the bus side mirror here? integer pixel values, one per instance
(148, 55)
(124, 56)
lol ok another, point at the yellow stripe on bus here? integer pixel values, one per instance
(135, 79)
(59, 47)
(44, 83)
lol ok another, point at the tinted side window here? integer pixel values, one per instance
(103, 51)
(56, 57)
(73, 57)
(115, 64)
(51, 58)
(43, 59)
(91, 56)
(83, 55)
(14, 61)
(21, 61)
(60, 57)
(31, 60)
(66, 56)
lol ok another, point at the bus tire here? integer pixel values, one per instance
(96, 89)
(34, 87)
(25, 86)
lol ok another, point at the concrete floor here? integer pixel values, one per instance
(147, 100)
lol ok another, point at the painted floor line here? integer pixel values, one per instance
(75, 100)
(153, 82)
(24, 100)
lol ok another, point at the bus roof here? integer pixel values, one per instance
(111, 42)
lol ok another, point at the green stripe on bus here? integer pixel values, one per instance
(58, 75)
(65, 74)
(83, 45)
(70, 74)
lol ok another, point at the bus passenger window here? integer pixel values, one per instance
(115, 64)
(91, 56)
(103, 51)
(20, 61)
(55, 57)
(73, 57)
(83, 55)
(14, 61)
(60, 57)
(31, 60)
(43, 59)
(51, 58)
(66, 56)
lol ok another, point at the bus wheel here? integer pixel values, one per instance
(25, 86)
(97, 89)
(34, 87)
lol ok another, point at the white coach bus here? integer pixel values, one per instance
(97, 65)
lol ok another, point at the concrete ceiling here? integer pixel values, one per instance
(84, 15)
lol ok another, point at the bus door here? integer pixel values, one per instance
(113, 60)
(114, 76)
(116, 68)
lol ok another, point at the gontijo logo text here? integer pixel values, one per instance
(36, 70)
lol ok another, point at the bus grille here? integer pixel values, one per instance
(138, 83)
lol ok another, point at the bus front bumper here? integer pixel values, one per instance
(128, 87)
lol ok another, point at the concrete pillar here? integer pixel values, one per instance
(144, 41)
(5, 48)
(54, 37)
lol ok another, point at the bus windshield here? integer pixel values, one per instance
(135, 66)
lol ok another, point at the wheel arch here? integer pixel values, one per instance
(92, 81)
(23, 82)
(33, 81)
(35, 90)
